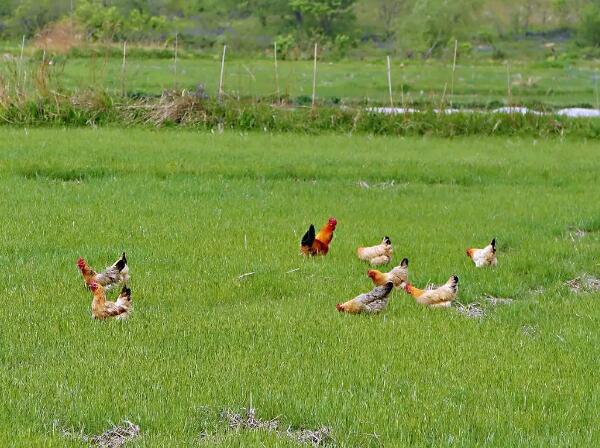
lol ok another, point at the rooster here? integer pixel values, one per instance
(398, 276)
(102, 309)
(485, 256)
(439, 297)
(372, 302)
(115, 274)
(318, 244)
(376, 255)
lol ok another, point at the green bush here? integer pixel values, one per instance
(589, 28)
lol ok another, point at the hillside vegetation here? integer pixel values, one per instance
(360, 27)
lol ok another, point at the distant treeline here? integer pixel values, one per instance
(422, 26)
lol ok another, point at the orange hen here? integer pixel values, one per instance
(103, 309)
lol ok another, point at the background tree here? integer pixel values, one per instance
(440, 22)
(389, 12)
(324, 18)
(589, 28)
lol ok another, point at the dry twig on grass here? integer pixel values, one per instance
(247, 274)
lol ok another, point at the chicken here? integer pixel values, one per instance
(398, 276)
(485, 256)
(103, 309)
(318, 244)
(376, 255)
(372, 302)
(117, 273)
(439, 297)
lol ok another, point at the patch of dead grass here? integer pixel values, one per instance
(114, 437)
(471, 310)
(248, 420)
(475, 310)
(584, 283)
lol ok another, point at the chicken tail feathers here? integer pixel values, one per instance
(378, 293)
(124, 299)
(121, 263)
(493, 244)
(453, 281)
(309, 237)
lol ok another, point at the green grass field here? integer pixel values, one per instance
(194, 211)
(479, 84)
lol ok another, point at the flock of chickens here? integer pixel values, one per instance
(376, 300)
(312, 244)
(115, 275)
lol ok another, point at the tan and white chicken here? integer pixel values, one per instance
(116, 274)
(377, 255)
(372, 302)
(104, 309)
(438, 297)
(484, 257)
(398, 276)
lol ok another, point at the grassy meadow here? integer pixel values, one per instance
(554, 85)
(194, 211)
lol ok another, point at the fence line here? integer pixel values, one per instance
(441, 97)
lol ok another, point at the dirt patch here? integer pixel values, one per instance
(317, 437)
(114, 437)
(247, 420)
(496, 301)
(471, 310)
(475, 310)
(584, 283)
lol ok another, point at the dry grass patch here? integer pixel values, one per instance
(584, 283)
(247, 420)
(113, 437)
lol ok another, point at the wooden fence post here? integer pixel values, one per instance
(453, 71)
(175, 66)
(389, 78)
(276, 72)
(314, 86)
(222, 72)
(123, 68)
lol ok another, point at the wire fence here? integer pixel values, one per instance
(375, 82)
